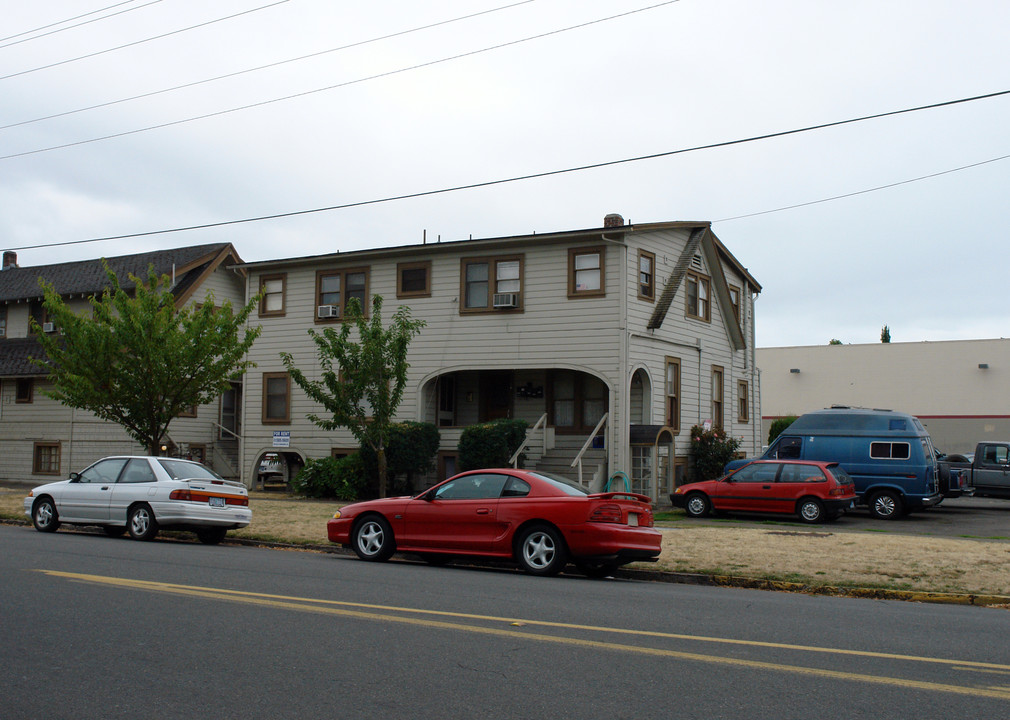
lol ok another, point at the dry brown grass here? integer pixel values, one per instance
(780, 552)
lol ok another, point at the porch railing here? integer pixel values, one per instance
(541, 425)
(589, 441)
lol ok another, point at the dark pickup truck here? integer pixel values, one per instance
(985, 473)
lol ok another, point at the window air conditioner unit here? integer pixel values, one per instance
(328, 311)
(506, 300)
(48, 327)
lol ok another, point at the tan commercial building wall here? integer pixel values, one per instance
(960, 389)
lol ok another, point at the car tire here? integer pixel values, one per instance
(141, 522)
(541, 550)
(373, 539)
(44, 515)
(211, 535)
(886, 505)
(114, 530)
(810, 510)
(697, 505)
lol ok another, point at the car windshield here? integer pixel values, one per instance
(569, 486)
(185, 470)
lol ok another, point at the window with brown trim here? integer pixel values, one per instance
(734, 301)
(717, 396)
(671, 417)
(273, 288)
(276, 398)
(587, 272)
(24, 390)
(646, 275)
(491, 283)
(699, 293)
(742, 401)
(46, 458)
(413, 279)
(3, 321)
(189, 412)
(334, 288)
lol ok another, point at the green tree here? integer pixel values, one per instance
(137, 359)
(362, 382)
(835, 341)
(779, 426)
(885, 334)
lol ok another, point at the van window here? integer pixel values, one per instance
(889, 450)
(896, 424)
(789, 448)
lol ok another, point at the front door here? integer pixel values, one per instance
(992, 467)
(461, 515)
(496, 395)
(88, 497)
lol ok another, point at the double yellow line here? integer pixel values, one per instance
(427, 619)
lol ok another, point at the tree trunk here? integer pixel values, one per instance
(380, 455)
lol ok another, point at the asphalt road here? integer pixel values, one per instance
(111, 628)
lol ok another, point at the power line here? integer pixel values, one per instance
(580, 168)
(306, 93)
(270, 65)
(145, 40)
(71, 27)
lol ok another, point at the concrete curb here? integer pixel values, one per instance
(644, 575)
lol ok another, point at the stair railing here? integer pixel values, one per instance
(589, 441)
(541, 425)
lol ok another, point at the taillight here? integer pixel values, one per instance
(180, 495)
(837, 491)
(606, 513)
(190, 496)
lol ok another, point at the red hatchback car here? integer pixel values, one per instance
(541, 521)
(816, 491)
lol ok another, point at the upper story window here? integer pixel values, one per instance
(3, 321)
(413, 279)
(334, 288)
(276, 398)
(488, 284)
(586, 276)
(646, 275)
(273, 289)
(718, 408)
(742, 401)
(699, 293)
(672, 414)
(734, 301)
(24, 390)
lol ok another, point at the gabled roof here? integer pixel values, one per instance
(188, 265)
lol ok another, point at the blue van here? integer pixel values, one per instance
(888, 454)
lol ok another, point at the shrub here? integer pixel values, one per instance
(491, 444)
(339, 478)
(711, 450)
(779, 426)
(412, 449)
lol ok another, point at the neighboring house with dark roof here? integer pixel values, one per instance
(42, 438)
(613, 342)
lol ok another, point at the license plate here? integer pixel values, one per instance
(217, 502)
(633, 519)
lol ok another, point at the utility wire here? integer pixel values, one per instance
(270, 65)
(864, 192)
(549, 173)
(333, 87)
(70, 27)
(145, 40)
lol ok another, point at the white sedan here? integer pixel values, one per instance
(142, 495)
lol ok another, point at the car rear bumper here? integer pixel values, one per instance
(202, 515)
(611, 541)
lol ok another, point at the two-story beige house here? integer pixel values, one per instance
(611, 342)
(43, 440)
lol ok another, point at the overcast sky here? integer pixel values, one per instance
(927, 258)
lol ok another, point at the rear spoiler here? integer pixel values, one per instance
(632, 496)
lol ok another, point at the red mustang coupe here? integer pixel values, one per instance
(541, 521)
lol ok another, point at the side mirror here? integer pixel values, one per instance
(75, 476)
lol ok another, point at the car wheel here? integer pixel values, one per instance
(810, 510)
(596, 568)
(886, 505)
(541, 551)
(44, 515)
(141, 523)
(114, 530)
(211, 535)
(373, 539)
(697, 505)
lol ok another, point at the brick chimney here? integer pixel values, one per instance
(10, 259)
(613, 220)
